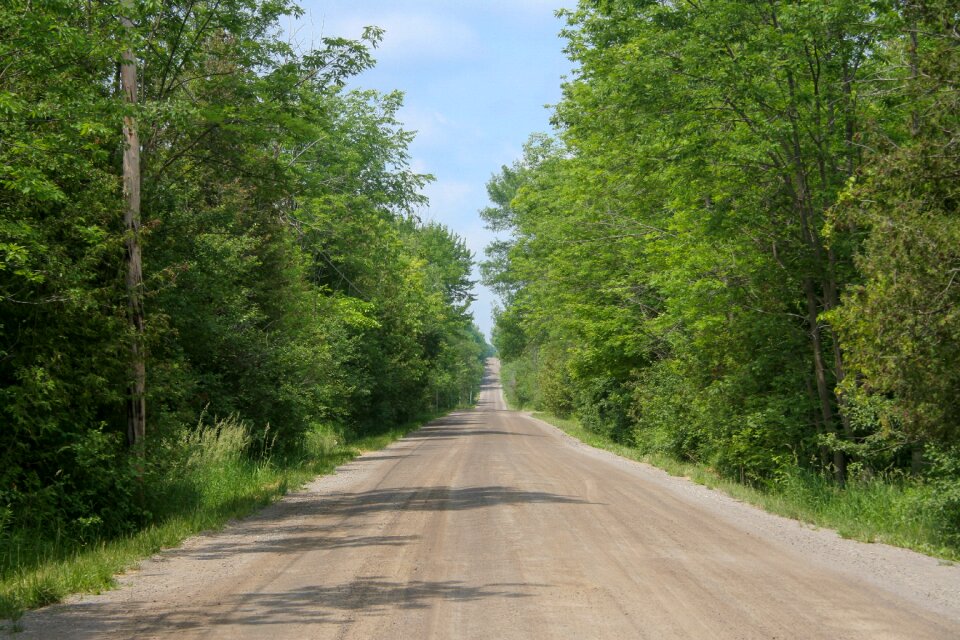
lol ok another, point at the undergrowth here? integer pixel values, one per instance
(894, 510)
(213, 479)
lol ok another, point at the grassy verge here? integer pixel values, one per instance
(874, 510)
(213, 484)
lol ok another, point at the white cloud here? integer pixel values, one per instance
(413, 36)
(432, 127)
(477, 237)
(531, 8)
(449, 198)
(418, 165)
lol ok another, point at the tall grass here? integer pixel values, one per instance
(895, 510)
(209, 479)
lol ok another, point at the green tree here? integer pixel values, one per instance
(286, 282)
(902, 323)
(668, 263)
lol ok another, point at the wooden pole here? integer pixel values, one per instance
(137, 411)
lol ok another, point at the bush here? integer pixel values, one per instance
(603, 406)
(554, 384)
(944, 503)
(663, 409)
(519, 379)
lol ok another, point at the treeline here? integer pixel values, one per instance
(743, 246)
(286, 281)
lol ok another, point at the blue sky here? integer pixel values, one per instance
(477, 75)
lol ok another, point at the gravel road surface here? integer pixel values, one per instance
(492, 524)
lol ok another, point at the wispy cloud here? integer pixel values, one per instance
(450, 198)
(531, 8)
(431, 125)
(413, 36)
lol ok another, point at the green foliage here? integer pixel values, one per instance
(945, 498)
(286, 281)
(518, 378)
(667, 420)
(903, 319)
(740, 248)
(208, 477)
(553, 382)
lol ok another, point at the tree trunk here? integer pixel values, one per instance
(916, 458)
(820, 372)
(137, 412)
(822, 450)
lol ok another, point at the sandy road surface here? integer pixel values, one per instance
(490, 524)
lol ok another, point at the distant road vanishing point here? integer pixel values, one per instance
(491, 524)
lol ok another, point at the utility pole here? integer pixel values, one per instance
(137, 411)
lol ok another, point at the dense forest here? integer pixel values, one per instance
(742, 246)
(202, 229)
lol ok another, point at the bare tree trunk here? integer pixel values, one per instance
(137, 412)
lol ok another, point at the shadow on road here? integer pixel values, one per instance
(290, 528)
(295, 540)
(332, 604)
(464, 423)
(438, 498)
(440, 433)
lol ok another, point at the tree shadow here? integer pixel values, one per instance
(372, 457)
(458, 419)
(439, 433)
(292, 526)
(310, 605)
(439, 498)
(294, 541)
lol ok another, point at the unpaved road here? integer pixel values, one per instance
(491, 524)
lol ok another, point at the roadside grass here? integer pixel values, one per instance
(894, 511)
(213, 484)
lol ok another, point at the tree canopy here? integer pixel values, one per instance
(740, 247)
(287, 281)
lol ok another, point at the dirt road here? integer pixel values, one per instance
(491, 524)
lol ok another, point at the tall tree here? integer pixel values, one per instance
(674, 248)
(288, 282)
(902, 321)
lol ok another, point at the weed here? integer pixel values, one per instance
(214, 480)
